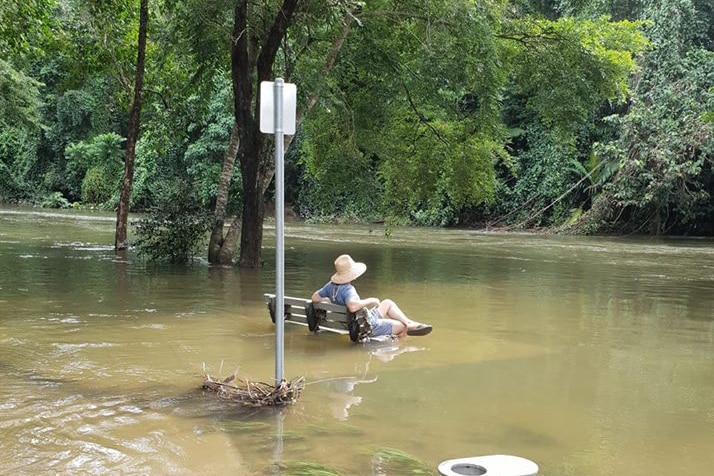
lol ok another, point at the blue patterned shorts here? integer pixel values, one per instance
(380, 327)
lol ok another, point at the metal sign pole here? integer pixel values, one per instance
(279, 233)
(278, 118)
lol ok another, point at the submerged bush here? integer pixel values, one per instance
(176, 228)
(55, 200)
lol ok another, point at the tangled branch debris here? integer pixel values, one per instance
(255, 394)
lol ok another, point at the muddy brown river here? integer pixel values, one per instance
(592, 356)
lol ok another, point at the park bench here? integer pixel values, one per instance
(322, 316)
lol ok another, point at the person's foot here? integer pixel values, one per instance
(419, 330)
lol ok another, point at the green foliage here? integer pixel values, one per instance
(80, 114)
(618, 9)
(99, 186)
(418, 111)
(435, 113)
(394, 461)
(339, 179)
(19, 98)
(8, 184)
(20, 129)
(25, 26)
(145, 174)
(567, 68)
(204, 155)
(308, 469)
(445, 167)
(187, 136)
(411, 123)
(94, 169)
(602, 164)
(98, 39)
(544, 175)
(74, 111)
(18, 157)
(74, 116)
(666, 147)
(55, 200)
(159, 152)
(567, 74)
(175, 229)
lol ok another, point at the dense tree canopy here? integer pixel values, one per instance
(436, 105)
(666, 149)
(590, 115)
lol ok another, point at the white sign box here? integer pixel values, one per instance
(267, 107)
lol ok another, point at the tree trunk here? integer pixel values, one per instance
(247, 71)
(250, 64)
(251, 237)
(216, 252)
(120, 240)
(229, 246)
(261, 170)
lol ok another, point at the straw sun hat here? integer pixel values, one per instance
(347, 270)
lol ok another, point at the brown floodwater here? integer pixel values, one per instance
(592, 356)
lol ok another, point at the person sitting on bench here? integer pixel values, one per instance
(385, 317)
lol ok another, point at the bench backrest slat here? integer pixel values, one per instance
(328, 306)
(324, 315)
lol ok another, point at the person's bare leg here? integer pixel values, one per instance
(399, 329)
(389, 309)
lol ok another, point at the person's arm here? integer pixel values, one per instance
(322, 294)
(356, 304)
(317, 298)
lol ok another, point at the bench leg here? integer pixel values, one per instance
(271, 310)
(314, 316)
